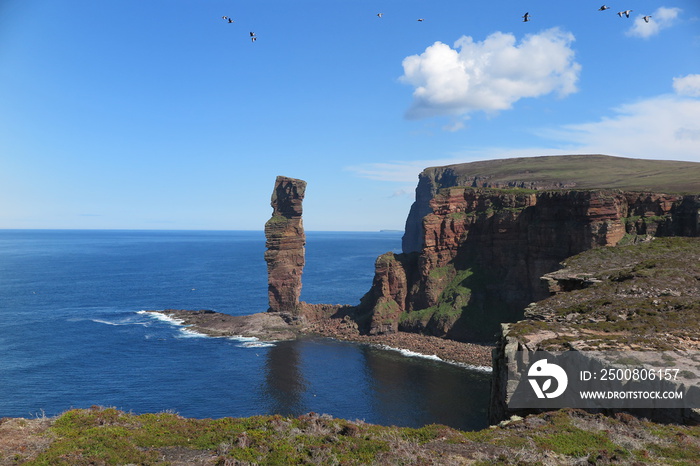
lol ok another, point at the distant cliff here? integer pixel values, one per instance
(547, 173)
(490, 230)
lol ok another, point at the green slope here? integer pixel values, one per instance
(589, 172)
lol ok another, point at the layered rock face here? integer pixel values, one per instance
(285, 246)
(484, 251)
(579, 172)
(431, 180)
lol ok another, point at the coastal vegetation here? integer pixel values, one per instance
(453, 299)
(640, 296)
(587, 172)
(112, 437)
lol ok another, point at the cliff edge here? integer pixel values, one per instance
(492, 229)
(642, 298)
(580, 172)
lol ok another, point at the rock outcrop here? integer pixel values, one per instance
(484, 249)
(285, 246)
(640, 297)
(268, 326)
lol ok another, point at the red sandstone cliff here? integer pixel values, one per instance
(483, 250)
(285, 246)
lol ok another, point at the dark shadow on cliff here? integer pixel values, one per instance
(491, 303)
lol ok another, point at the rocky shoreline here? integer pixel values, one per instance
(468, 354)
(274, 327)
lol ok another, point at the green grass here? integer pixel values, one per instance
(648, 297)
(590, 172)
(110, 437)
(452, 302)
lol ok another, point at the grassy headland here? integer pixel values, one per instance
(108, 436)
(590, 172)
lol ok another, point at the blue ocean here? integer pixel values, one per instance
(73, 334)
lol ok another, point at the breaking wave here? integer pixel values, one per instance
(187, 332)
(433, 357)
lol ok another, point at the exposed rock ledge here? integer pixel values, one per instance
(266, 326)
(641, 297)
(326, 321)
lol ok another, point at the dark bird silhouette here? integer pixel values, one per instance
(646, 18)
(380, 15)
(603, 8)
(526, 17)
(420, 19)
(230, 20)
(253, 37)
(626, 13)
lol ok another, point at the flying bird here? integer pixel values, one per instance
(626, 13)
(253, 37)
(646, 18)
(526, 17)
(603, 8)
(230, 20)
(380, 15)
(420, 19)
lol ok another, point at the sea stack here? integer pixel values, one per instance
(285, 247)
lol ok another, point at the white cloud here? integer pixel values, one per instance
(665, 127)
(687, 85)
(490, 75)
(456, 125)
(662, 18)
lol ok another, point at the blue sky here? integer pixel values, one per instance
(159, 114)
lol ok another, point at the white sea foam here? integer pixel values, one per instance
(119, 323)
(433, 357)
(414, 354)
(243, 339)
(251, 342)
(106, 322)
(162, 316)
(189, 333)
(257, 344)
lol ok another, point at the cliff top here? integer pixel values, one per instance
(108, 436)
(638, 297)
(583, 172)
